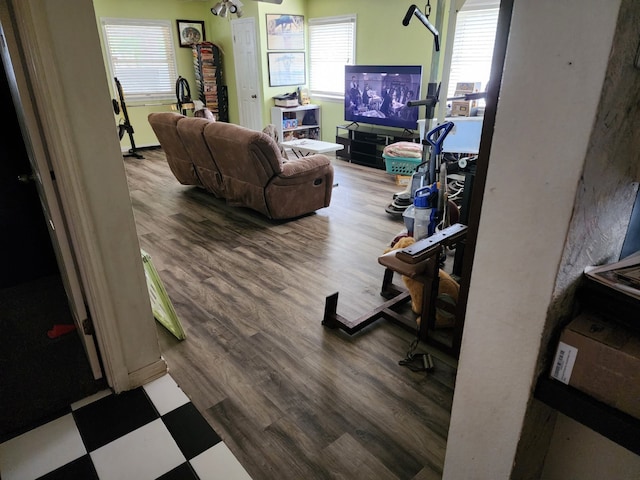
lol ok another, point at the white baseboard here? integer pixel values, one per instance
(140, 147)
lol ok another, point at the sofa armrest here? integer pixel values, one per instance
(304, 165)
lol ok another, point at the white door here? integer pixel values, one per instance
(247, 79)
(44, 177)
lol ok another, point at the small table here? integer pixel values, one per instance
(304, 146)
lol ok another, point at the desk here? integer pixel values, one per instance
(465, 136)
(304, 146)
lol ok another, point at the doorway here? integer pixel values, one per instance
(40, 374)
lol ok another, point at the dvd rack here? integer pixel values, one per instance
(207, 60)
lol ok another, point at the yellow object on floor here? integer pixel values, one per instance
(161, 305)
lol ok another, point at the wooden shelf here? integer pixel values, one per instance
(302, 127)
(617, 426)
(609, 422)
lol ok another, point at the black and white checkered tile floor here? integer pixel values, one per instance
(153, 432)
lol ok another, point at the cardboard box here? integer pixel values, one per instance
(403, 180)
(460, 108)
(602, 359)
(467, 87)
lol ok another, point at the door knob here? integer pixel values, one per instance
(254, 96)
(26, 178)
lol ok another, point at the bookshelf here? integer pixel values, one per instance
(291, 124)
(207, 61)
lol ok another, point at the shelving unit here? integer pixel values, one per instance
(613, 424)
(207, 61)
(364, 144)
(290, 122)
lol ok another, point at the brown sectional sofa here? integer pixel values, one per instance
(242, 166)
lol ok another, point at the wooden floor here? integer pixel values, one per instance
(291, 398)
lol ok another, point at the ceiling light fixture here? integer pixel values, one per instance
(216, 8)
(225, 7)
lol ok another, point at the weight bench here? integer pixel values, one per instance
(419, 261)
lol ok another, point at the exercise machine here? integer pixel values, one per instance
(125, 124)
(429, 172)
(420, 261)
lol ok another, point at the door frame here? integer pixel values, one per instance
(49, 198)
(92, 192)
(238, 61)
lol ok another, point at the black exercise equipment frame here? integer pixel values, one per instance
(133, 151)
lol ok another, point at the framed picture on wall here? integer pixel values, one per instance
(286, 68)
(285, 32)
(190, 32)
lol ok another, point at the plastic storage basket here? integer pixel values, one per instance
(401, 165)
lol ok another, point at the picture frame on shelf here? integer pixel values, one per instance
(303, 96)
(285, 32)
(190, 32)
(286, 68)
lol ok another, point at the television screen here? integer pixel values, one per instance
(378, 94)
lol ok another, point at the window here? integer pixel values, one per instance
(473, 44)
(141, 56)
(332, 45)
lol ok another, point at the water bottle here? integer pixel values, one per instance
(423, 210)
(408, 216)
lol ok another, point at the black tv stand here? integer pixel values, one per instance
(364, 144)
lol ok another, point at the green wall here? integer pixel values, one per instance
(380, 39)
(292, 7)
(156, 10)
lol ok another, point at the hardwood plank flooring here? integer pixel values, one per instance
(291, 398)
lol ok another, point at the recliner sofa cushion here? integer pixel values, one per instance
(164, 125)
(191, 131)
(247, 161)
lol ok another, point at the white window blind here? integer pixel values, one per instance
(332, 45)
(141, 56)
(473, 45)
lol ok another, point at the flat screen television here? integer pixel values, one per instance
(378, 94)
